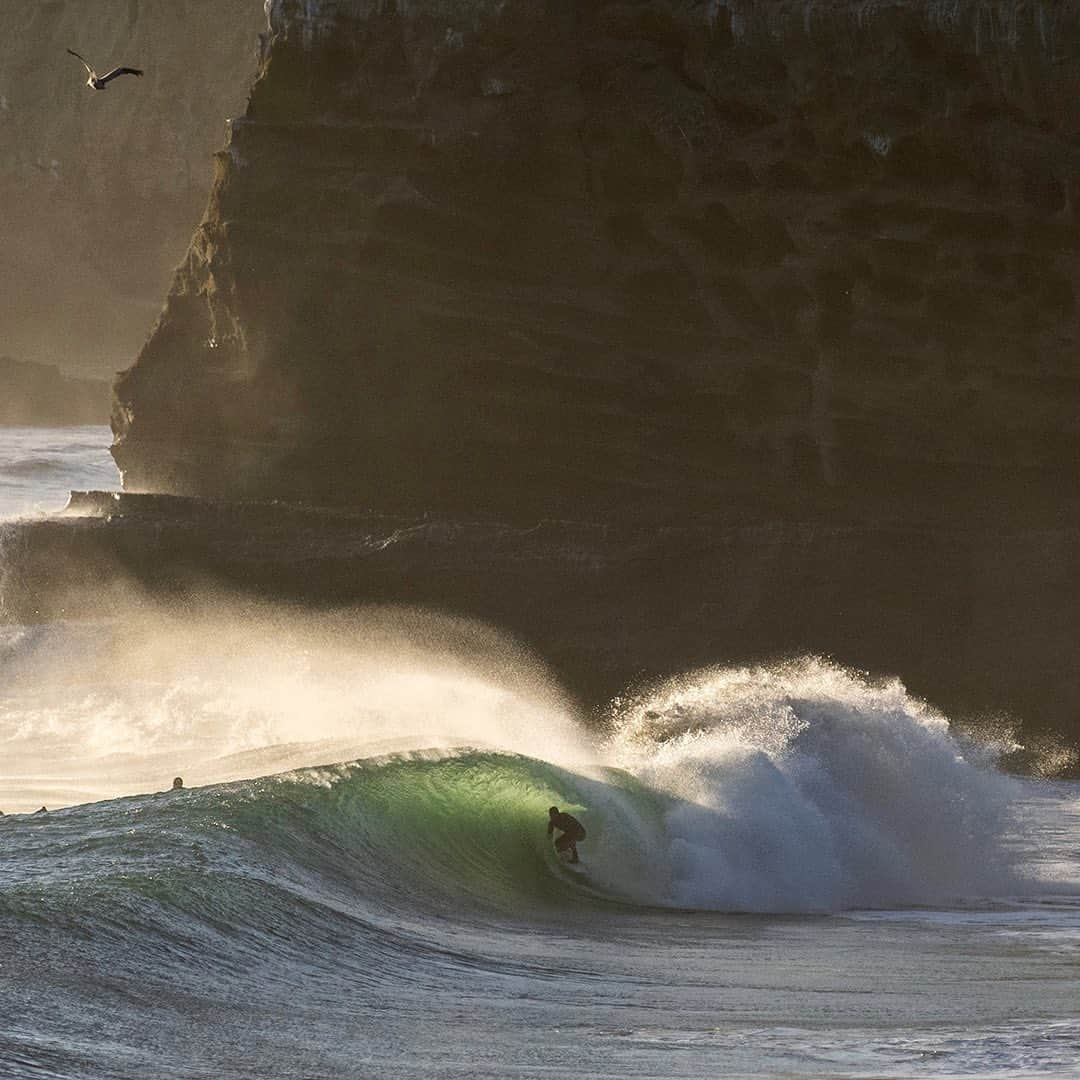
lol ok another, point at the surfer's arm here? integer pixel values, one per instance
(551, 827)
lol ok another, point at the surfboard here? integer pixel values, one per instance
(575, 868)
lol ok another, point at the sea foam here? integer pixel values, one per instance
(807, 787)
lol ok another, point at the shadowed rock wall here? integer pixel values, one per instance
(653, 258)
(99, 191)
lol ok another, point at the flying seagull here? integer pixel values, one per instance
(97, 82)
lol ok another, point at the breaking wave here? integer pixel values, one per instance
(407, 775)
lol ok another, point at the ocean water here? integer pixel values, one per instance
(39, 466)
(790, 870)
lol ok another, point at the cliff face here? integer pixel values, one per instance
(99, 192)
(651, 257)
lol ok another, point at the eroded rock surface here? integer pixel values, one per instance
(652, 258)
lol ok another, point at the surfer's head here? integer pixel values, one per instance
(552, 811)
(178, 783)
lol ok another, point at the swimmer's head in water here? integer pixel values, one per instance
(178, 783)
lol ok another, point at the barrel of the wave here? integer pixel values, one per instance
(425, 830)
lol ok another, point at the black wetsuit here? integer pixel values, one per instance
(572, 831)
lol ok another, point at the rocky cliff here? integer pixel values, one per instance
(100, 191)
(778, 299)
(649, 258)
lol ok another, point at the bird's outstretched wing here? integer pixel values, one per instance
(118, 71)
(90, 70)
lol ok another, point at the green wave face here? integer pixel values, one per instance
(431, 830)
(802, 789)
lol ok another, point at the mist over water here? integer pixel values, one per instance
(225, 689)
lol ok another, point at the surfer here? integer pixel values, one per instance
(178, 783)
(572, 831)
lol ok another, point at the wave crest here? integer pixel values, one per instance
(806, 787)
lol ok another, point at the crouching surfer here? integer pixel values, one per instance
(572, 831)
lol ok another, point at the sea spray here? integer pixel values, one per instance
(223, 688)
(806, 787)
